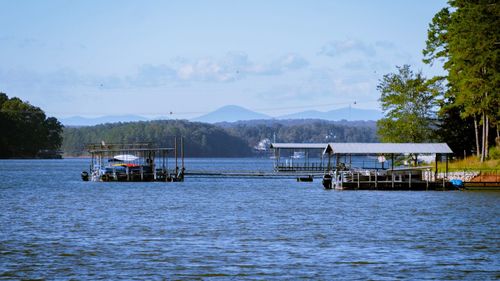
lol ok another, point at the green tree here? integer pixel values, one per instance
(409, 103)
(465, 36)
(26, 130)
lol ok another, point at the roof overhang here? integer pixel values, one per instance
(387, 148)
(299, 145)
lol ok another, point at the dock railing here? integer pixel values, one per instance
(311, 167)
(388, 179)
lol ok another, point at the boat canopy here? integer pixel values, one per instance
(125, 157)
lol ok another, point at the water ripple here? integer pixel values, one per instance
(53, 226)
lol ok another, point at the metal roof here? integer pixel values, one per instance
(132, 149)
(299, 145)
(387, 148)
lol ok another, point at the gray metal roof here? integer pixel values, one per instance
(299, 145)
(388, 148)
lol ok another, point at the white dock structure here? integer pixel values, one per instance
(335, 161)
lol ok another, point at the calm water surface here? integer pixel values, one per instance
(54, 226)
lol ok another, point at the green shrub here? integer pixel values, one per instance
(494, 152)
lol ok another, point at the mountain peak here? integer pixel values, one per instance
(230, 113)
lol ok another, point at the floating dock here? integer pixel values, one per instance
(257, 175)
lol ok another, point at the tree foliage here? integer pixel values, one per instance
(409, 103)
(26, 131)
(465, 36)
(201, 140)
(304, 131)
(220, 140)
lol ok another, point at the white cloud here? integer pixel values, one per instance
(151, 75)
(235, 66)
(324, 85)
(231, 67)
(341, 47)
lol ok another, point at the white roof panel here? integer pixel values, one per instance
(388, 148)
(299, 145)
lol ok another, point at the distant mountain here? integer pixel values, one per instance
(233, 113)
(86, 121)
(346, 113)
(230, 113)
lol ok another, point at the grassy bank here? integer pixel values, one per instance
(471, 163)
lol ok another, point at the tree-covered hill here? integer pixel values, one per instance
(220, 140)
(303, 130)
(201, 140)
(26, 132)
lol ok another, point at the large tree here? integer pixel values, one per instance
(26, 131)
(409, 103)
(465, 36)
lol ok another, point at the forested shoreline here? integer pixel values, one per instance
(236, 139)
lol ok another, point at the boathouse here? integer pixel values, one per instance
(135, 162)
(412, 177)
(337, 159)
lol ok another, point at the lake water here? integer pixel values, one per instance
(54, 226)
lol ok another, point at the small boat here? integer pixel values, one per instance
(125, 157)
(327, 181)
(305, 179)
(298, 155)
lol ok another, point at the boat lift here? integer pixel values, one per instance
(136, 162)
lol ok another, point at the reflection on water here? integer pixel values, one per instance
(55, 226)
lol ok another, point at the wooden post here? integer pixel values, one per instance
(409, 181)
(392, 162)
(376, 176)
(182, 152)
(175, 149)
(392, 178)
(446, 173)
(329, 161)
(153, 164)
(278, 157)
(358, 180)
(436, 168)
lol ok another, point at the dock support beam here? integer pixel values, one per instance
(436, 168)
(446, 172)
(182, 153)
(175, 151)
(392, 162)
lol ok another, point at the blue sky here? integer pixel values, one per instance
(150, 58)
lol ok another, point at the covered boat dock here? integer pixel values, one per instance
(299, 157)
(135, 162)
(397, 176)
(393, 165)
